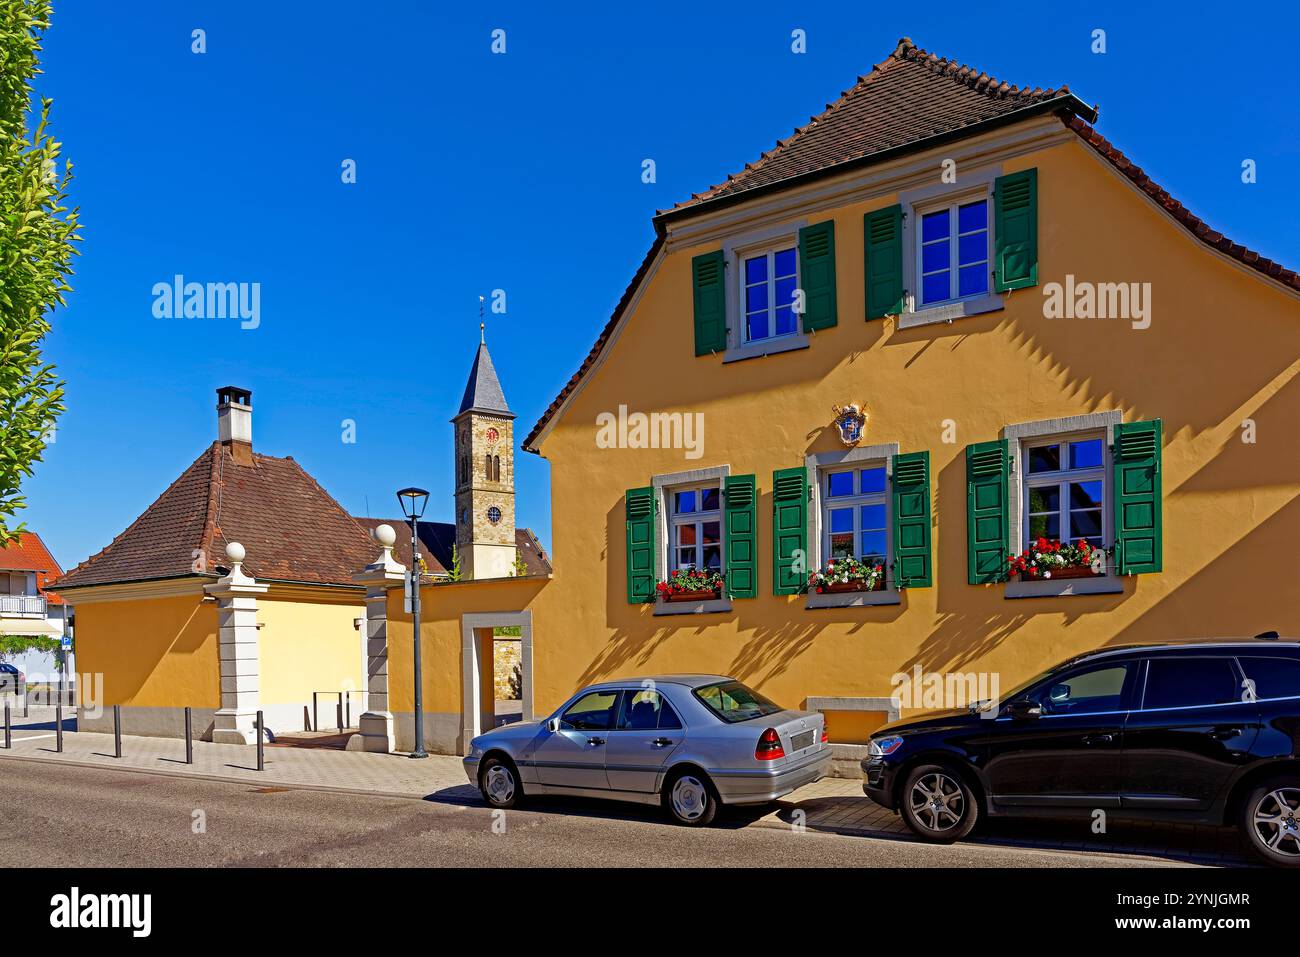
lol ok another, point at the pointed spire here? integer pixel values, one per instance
(483, 390)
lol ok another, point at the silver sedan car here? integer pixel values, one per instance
(688, 742)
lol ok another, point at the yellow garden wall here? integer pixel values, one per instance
(308, 645)
(1222, 347)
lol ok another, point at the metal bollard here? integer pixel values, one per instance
(117, 730)
(189, 739)
(58, 727)
(347, 697)
(261, 763)
(9, 732)
(338, 714)
(315, 716)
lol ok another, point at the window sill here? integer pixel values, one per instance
(766, 347)
(706, 607)
(854, 599)
(948, 311)
(1096, 585)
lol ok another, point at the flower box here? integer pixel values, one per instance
(836, 588)
(1071, 571)
(704, 594)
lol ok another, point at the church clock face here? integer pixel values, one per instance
(494, 515)
(493, 435)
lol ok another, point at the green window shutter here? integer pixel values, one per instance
(1136, 464)
(817, 275)
(741, 541)
(1015, 231)
(911, 507)
(709, 275)
(883, 237)
(640, 545)
(987, 513)
(789, 531)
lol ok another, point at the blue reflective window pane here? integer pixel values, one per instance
(756, 298)
(1085, 525)
(839, 483)
(785, 321)
(935, 288)
(756, 326)
(972, 249)
(873, 547)
(685, 502)
(1085, 494)
(713, 557)
(972, 216)
(973, 280)
(1085, 455)
(711, 532)
(934, 226)
(873, 480)
(873, 517)
(1044, 458)
(935, 256)
(708, 499)
(841, 520)
(756, 269)
(785, 291)
(785, 262)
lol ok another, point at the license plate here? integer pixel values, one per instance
(801, 740)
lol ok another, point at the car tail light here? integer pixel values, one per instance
(825, 736)
(769, 746)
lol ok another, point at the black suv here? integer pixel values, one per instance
(1205, 732)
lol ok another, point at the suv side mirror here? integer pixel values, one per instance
(1024, 708)
(553, 725)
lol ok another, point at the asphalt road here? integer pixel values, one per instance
(56, 815)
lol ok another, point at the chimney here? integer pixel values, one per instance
(235, 422)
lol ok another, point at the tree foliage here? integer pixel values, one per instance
(37, 233)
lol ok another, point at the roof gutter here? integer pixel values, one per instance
(1065, 103)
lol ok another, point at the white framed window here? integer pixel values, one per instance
(695, 527)
(855, 513)
(1064, 489)
(953, 251)
(768, 279)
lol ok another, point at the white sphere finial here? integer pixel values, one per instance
(235, 552)
(385, 535)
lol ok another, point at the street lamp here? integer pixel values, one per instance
(413, 501)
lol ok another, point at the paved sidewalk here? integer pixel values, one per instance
(834, 805)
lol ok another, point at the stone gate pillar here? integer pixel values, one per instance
(236, 595)
(376, 724)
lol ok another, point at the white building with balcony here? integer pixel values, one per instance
(27, 609)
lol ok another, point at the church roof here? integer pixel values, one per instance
(483, 391)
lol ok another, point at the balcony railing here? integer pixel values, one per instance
(23, 606)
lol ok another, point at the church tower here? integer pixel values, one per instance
(485, 474)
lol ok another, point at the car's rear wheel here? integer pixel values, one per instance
(938, 805)
(499, 782)
(1270, 821)
(690, 798)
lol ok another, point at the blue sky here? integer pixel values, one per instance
(519, 172)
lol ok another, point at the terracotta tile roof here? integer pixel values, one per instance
(912, 95)
(27, 553)
(292, 528)
(1185, 217)
(436, 539)
(903, 87)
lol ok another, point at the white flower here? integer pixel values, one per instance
(1047, 574)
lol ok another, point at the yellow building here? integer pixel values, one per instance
(233, 592)
(1039, 342)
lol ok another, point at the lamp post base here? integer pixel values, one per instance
(418, 754)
